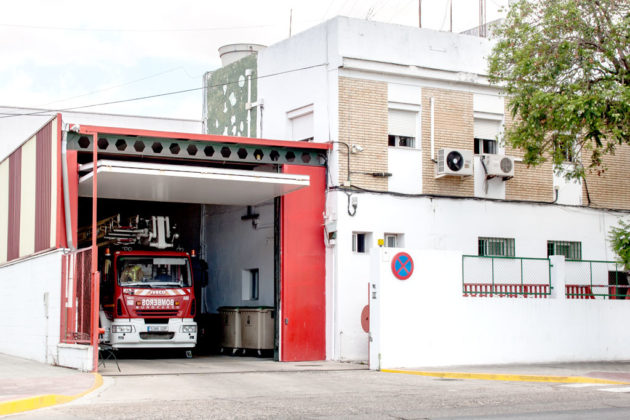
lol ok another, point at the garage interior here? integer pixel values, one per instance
(224, 196)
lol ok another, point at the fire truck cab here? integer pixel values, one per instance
(147, 294)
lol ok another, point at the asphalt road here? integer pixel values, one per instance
(353, 394)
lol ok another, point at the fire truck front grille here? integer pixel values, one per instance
(157, 312)
(157, 335)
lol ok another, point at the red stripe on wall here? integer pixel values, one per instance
(73, 195)
(15, 189)
(43, 185)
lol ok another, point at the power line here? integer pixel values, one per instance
(68, 28)
(157, 95)
(117, 86)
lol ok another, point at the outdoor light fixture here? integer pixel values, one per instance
(356, 148)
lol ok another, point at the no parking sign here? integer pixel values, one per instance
(402, 266)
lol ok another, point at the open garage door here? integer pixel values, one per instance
(186, 184)
(251, 208)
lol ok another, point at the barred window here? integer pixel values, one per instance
(570, 250)
(496, 247)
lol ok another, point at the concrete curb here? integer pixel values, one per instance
(41, 401)
(510, 377)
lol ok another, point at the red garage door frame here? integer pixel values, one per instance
(303, 269)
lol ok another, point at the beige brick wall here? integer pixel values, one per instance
(363, 121)
(363, 115)
(611, 189)
(530, 184)
(453, 128)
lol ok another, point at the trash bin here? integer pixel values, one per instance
(231, 327)
(257, 329)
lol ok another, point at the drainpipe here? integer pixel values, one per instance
(66, 193)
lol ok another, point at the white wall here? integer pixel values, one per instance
(424, 321)
(387, 43)
(291, 90)
(233, 245)
(30, 302)
(444, 224)
(405, 165)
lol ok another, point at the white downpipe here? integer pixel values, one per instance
(66, 193)
(432, 102)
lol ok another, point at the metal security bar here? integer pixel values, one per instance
(570, 250)
(596, 279)
(486, 276)
(76, 297)
(196, 150)
(496, 247)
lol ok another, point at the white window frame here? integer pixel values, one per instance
(397, 106)
(251, 284)
(397, 239)
(298, 113)
(479, 141)
(357, 238)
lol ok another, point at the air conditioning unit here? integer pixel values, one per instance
(454, 162)
(498, 165)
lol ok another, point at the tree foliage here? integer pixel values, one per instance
(620, 242)
(565, 67)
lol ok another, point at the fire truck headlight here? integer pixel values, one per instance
(189, 329)
(122, 328)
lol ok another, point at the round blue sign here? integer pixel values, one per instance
(402, 266)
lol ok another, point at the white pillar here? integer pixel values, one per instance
(379, 256)
(558, 277)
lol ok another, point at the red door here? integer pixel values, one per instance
(302, 285)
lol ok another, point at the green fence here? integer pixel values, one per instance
(594, 279)
(488, 276)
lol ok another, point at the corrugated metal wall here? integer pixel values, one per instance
(15, 174)
(28, 195)
(43, 188)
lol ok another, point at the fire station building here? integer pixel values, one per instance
(352, 178)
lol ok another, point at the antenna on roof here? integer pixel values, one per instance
(482, 18)
(290, 21)
(419, 13)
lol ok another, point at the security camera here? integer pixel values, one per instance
(356, 148)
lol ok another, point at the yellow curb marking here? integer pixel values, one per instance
(41, 401)
(508, 377)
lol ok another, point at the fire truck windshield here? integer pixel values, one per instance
(147, 271)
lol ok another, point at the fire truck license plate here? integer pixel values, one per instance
(157, 328)
(158, 302)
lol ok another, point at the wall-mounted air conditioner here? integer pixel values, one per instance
(498, 165)
(454, 162)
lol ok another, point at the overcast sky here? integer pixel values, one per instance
(65, 53)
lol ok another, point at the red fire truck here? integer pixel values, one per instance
(147, 293)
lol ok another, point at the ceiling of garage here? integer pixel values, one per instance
(186, 184)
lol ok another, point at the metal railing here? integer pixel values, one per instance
(76, 297)
(486, 276)
(595, 279)
(519, 277)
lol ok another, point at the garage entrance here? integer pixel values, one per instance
(250, 208)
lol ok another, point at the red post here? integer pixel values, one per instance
(95, 277)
